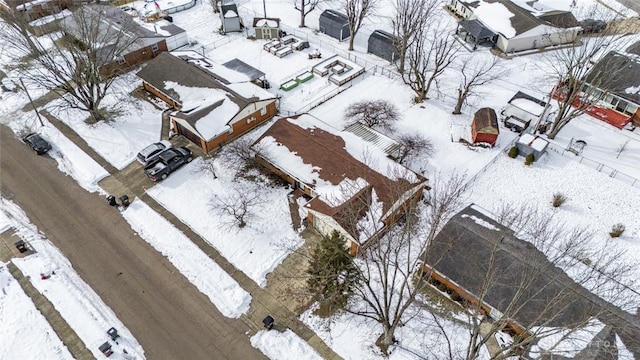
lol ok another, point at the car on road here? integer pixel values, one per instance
(37, 143)
(167, 162)
(593, 26)
(151, 152)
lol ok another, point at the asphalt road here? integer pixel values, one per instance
(168, 316)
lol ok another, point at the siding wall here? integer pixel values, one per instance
(133, 59)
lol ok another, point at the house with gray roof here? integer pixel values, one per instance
(214, 104)
(490, 268)
(120, 42)
(520, 25)
(614, 83)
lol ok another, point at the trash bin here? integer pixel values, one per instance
(21, 246)
(111, 200)
(106, 349)
(124, 200)
(268, 322)
(113, 333)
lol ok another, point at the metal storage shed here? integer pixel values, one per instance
(230, 18)
(334, 24)
(381, 44)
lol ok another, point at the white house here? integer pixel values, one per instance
(521, 25)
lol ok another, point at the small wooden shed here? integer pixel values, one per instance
(266, 28)
(230, 18)
(381, 44)
(334, 24)
(484, 127)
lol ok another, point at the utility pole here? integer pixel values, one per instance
(31, 102)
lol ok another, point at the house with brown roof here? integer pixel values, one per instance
(351, 184)
(489, 267)
(520, 25)
(214, 104)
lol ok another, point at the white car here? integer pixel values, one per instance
(152, 151)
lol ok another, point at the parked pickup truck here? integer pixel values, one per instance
(167, 162)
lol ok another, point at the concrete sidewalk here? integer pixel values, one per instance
(132, 182)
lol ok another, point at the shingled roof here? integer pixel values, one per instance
(619, 74)
(505, 272)
(345, 184)
(168, 68)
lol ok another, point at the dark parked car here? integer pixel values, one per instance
(167, 162)
(37, 143)
(151, 152)
(593, 26)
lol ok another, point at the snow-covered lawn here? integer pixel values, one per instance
(24, 331)
(195, 265)
(255, 249)
(76, 302)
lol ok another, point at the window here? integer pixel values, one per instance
(154, 47)
(631, 109)
(621, 106)
(263, 111)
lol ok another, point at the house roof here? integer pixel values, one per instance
(242, 67)
(522, 16)
(334, 164)
(208, 104)
(484, 257)
(477, 29)
(486, 121)
(619, 74)
(114, 26)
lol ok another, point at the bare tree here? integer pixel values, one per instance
(304, 7)
(413, 146)
(357, 11)
(578, 83)
(215, 5)
(432, 52)
(373, 113)
(386, 290)
(242, 153)
(238, 205)
(475, 73)
(540, 307)
(73, 64)
(410, 17)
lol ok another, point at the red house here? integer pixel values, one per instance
(484, 127)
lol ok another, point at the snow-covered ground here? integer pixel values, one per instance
(24, 331)
(595, 200)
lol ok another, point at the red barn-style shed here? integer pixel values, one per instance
(484, 127)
